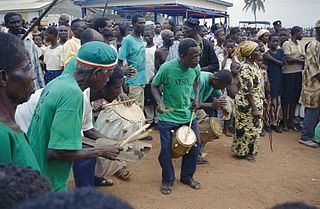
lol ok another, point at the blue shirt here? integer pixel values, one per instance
(134, 52)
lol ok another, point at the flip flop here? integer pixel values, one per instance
(123, 174)
(202, 160)
(105, 182)
(192, 183)
(165, 189)
(250, 158)
(309, 143)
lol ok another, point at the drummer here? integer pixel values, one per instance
(211, 84)
(178, 77)
(55, 128)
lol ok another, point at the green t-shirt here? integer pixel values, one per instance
(134, 52)
(206, 89)
(71, 66)
(317, 133)
(177, 84)
(56, 124)
(15, 148)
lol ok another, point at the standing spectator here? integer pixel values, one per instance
(168, 51)
(52, 55)
(134, 52)
(64, 20)
(62, 34)
(235, 34)
(276, 26)
(157, 37)
(218, 46)
(292, 77)
(263, 35)
(203, 31)
(178, 35)
(105, 27)
(310, 94)
(149, 104)
(13, 22)
(274, 59)
(120, 33)
(168, 24)
(283, 36)
(72, 46)
(208, 59)
(249, 103)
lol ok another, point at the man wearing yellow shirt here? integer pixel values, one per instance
(72, 46)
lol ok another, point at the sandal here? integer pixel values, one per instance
(192, 183)
(309, 143)
(250, 158)
(165, 188)
(104, 182)
(123, 174)
(202, 160)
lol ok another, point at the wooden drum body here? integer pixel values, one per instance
(210, 129)
(183, 141)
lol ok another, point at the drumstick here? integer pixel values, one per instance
(134, 135)
(117, 103)
(190, 124)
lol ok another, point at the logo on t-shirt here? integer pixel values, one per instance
(182, 82)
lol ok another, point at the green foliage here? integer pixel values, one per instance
(255, 5)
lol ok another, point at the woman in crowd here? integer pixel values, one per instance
(249, 103)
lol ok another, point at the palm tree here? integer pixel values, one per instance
(255, 5)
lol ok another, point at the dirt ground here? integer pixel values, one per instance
(290, 173)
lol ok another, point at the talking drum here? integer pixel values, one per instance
(210, 129)
(118, 121)
(184, 140)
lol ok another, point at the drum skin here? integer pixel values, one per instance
(210, 129)
(181, 144)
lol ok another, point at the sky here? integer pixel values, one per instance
(291, 12)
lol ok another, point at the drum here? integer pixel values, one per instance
(183, 141)
(118, 121)
(210, 129)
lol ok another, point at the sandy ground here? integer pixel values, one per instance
(290, 173)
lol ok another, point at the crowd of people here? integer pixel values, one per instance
(176, 74)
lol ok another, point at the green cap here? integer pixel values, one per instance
(97, 54)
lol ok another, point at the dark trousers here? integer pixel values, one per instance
(188, 166)
(83, 171)
(310, 121)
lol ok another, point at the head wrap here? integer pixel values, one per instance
(97, 54)
(245, 49)
(261, 32)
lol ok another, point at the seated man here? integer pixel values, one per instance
(211, 84)
(55, 128)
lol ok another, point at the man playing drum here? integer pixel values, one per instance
(179, 77)
(210, 86)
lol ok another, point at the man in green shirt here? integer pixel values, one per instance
(211, 85)
(134, 52)
(55, 128)
(179, 77)
(16, 86)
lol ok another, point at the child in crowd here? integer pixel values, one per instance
(52, 55)
(274, 59)
(229, 55)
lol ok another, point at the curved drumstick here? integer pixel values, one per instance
(190, 125)
(117, 103)
(134, 135)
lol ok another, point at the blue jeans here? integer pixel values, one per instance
(188, 166)
(310, 121)
(83, 171)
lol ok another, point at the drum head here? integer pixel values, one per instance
(215, 126)
(133, 113)
(185, 139)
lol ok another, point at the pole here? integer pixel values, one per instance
(39, 19)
